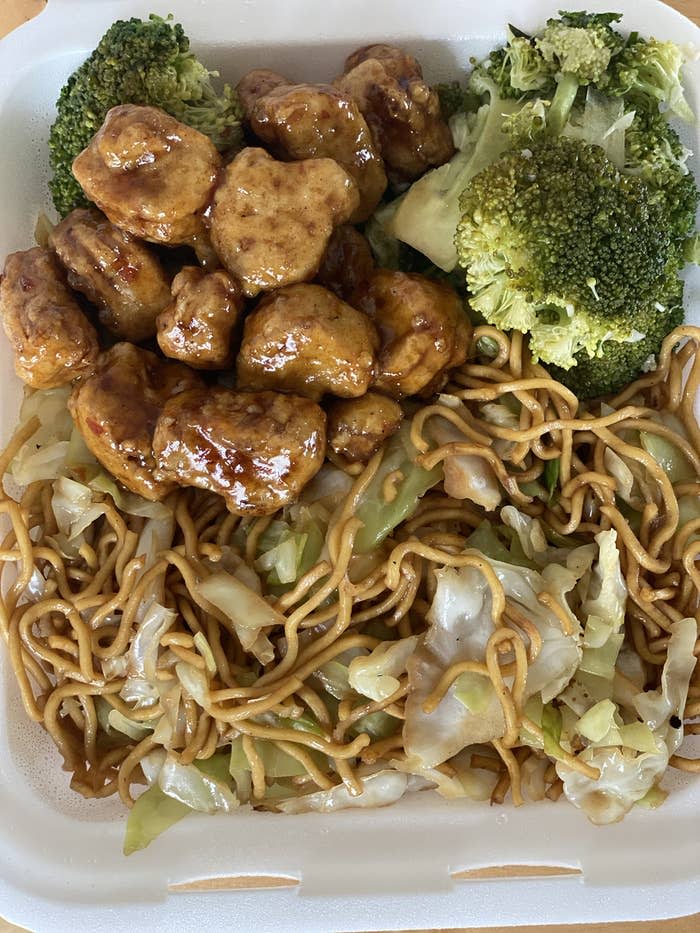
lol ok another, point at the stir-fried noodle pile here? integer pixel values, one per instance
(104, 627)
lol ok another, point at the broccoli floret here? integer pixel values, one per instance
(456, 99)
(585, 20)
(527, 124)
(620, 362)
(518, 68)
(528, 68)
(651, 70)
(580, 45)
(654, 152)
(558, 244)
(138, 62)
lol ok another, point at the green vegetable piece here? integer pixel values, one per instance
(551, 730)
(152, 813)
(215, 767)
(669, 457)
(303, 723)
(650, 69)
(485, 540)
(334, 676)
(601, 661)
(653, 798)
(456, 99)
(639, 737)
(579, 50)
(475, 691)
(379, 725)
(562, 102)
(527, 124)
(691, 249)
(518, 68)
(655, 153)
(597, 721)
(533, 711)
(551, 476)
(556, 243)
(278, 764)
(380, 517)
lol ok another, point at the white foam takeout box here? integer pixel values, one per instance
(61, 865)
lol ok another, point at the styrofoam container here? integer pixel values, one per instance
(61, 866)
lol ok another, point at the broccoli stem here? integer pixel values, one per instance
(562, 102)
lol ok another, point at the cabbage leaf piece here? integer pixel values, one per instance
(627, 775)
(380, 789)
(460, 626)
(376, 675)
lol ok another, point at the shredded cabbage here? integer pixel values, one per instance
(465, 475)
(474, 691)
(246, 609)
(529, 531)
(152, 814)
(195, 788)
(380, 517)
(632, 767)
(43, 456)
(127, 501)
(462, 782)
(142, 687)
(131, 727)
(376, 675)
(460, 627)
(74, 508)
(277, 763)
(378, 790)
(670, 458)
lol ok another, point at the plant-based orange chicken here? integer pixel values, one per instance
(52, 340)
(116, 410)
(423, 329)
(305, 339)
(403, 111)
(357, 427)
(197, 326)
(312, 121)
(271, 221)
(150, 174)
(256, 449)
(114, 270)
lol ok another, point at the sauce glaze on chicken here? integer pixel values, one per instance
(268, 338)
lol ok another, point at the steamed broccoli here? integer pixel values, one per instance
(650, 69)
(518, 69)
(138, 62)
(579, 47)
(578, 205)
(528, 123)
(573, 51)
(654, 153)
(557, 243)
(581, 44)
(620, 362)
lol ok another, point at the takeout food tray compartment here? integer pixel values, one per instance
(407, 866)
